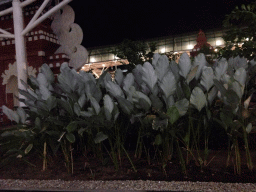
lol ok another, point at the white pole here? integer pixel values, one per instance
(19, 46)
(45, 16)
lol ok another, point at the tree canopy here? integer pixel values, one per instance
(240, 35)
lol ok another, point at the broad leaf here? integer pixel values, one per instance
(22, 114)
(82, 100)
(119, 77)
(125, 105)
(71, 137)
(240, 75)
(162, 67)
(198, 98)
(128, 82)
(108, 103)
(237, 88)
(149, 76)
(156, 102)
(66, 106)
(201, 62)
(184, 65)
(168, 84)
(95, 105)
(191, 74)
(51, 103)
(12, 115)
(212, 94)
(100, 137)
(173, 114)
(114, 89)
(72, 126)
(156, 56)
(207, 78)
(46, 70)
(175, 70)
(182, 106)
(221, 68)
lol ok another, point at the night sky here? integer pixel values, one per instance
(107, 22)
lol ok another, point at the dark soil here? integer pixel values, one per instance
(89, 168)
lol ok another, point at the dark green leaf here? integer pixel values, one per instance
(173, 114)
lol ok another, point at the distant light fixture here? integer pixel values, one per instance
(103, 65)
(247, 39)
(83, 67)
(215, 50)
(93, 59)
(190, 47)
(218, 42)
(163, 50)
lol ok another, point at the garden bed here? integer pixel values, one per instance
(89, 168)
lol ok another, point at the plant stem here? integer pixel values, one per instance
(44, 156)
(134, 169)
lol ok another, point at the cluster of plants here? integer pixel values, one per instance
(171, 109)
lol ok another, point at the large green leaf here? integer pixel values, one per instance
(27, 95)
(72, 126)
(198, 98)
(173, 114)
(182, 106)
(221, 69)
(156, 56)
(237, 88)
(156, 102)
(77, 109)
(184, 65)
(108, 103)
(51, 102)
(12, 115)
(201, 62)
(46, 70)
(168, 84)
(125, 105)
(66, 105)
(220, 87)
(100, 137)
(114, 89)
(82, 100)
(162, 67)
(119, 77)
(95, 105)
(137, 73)
(212, 94)
(192, 74)
(241, 76)
(22, 114)
(45, 92)
(207, 78)
(149, 76)
(175, 70)
(71, 137)
(128, 82)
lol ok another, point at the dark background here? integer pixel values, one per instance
(107, 22)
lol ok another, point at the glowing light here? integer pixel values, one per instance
(163, 50)
(218, 42)
(215, 50)
(103, 65)
(93, 59)
(247, 39)
(190, 46)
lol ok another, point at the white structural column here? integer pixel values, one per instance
(18, 24)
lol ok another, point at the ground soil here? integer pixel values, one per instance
(89, 168)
